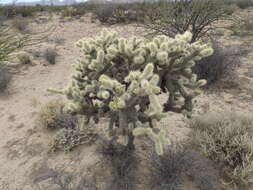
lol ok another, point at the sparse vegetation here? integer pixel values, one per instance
(49, 115)
(50, 55)
(128, 87)
(20, 24)
(227, 138)
(177, 165)
(24, 59)
(197, 16)
(221, 66)
(4, 77)
(244, 4)
(123, 165)
(243, 25)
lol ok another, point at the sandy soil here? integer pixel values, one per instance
(24, 146)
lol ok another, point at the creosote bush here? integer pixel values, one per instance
(196, 16)
(221, 65)
(120, 79)
(227, 139)
(178, 166)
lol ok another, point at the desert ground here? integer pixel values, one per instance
(25, 160)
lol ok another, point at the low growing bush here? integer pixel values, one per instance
(49, 115)
(177, 165)
(227, 139)
(50, 55)
(243, 25)
(244, 4)
(221, 65)
(4, 78)
(123, 165)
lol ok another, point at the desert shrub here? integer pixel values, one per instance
(221, 65)
(196, 16)
(120, 79)
(244, 4)
(49, 115)
(227, 139)
(10, 43)
(69, 12)
(20, 24)
(25, 11)
(122, 163)
(104, 13)
(177, 165)
(69, 138)
(115, 14)
(50, 55)
(4, 77)
(24, 59)
(242, 25)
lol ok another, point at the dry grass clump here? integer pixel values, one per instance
(48, 117)
(227, 139)
(178, 167)
(4, 77)
(24, 59)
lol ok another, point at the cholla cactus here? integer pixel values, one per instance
(120, 79)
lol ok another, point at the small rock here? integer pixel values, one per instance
(228, 98)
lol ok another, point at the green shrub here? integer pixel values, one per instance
(227, 139)
(120, 79)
